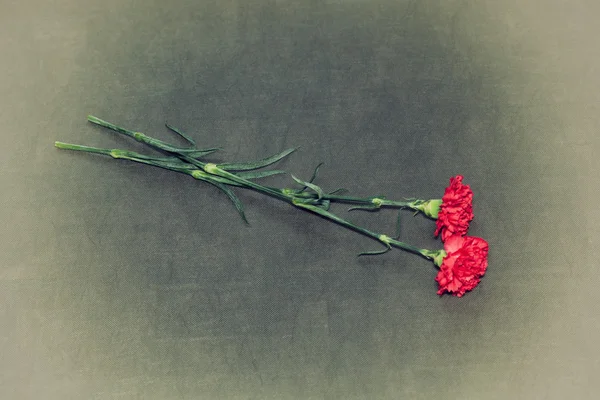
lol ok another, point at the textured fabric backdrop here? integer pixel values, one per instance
(122, 281)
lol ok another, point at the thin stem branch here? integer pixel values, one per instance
(384, 239)
(366, 201)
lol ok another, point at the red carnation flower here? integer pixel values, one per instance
(463, 266)
(456, 210)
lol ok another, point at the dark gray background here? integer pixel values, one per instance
(120, 281)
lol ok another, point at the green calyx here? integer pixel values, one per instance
(430, 208)
(437, 256)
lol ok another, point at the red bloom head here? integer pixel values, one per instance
(463, 266)
(456, 210)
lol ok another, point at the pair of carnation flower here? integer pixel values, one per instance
(462, 262)
(465, 261)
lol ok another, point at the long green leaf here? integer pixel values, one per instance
(180, 133)
(312, 186)
(312, 178)
(258, 174)
(365, 208)
(232, 196)
(247, 166)
(339, 191)
(197, 153)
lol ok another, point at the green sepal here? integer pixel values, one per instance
(247, 166)
(431, 208)
(436, 256)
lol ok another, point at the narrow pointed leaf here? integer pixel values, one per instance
(364, 208)
(315, 172)
(180, 133)
(258, 174)
(232, 196)
(106, 124)
(375, 253)
(225, 181)
(339, 191)
(201, 175)
(312, 186)
(168, 160)
(197, 153)
(256, 164)
(312, 178)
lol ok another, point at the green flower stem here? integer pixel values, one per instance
(383, 239)
(429, 208)
(387, 241)
(375, 202)
(292, 199)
